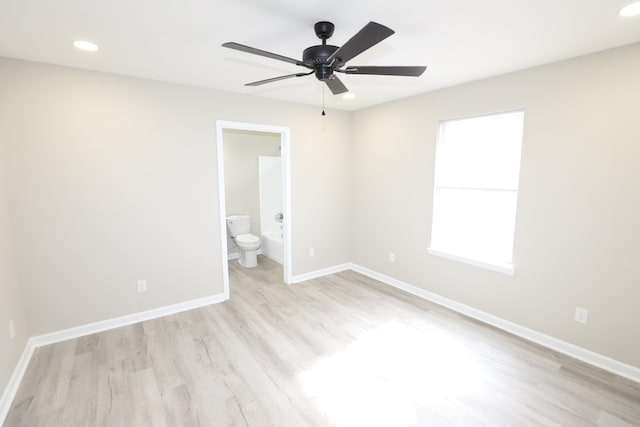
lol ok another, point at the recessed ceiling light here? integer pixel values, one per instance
(348, 95)
(85, 45)
(632, 9)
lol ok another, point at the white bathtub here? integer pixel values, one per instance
(273, 246)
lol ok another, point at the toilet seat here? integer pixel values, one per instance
(247, 239)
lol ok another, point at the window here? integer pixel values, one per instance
(476, 189)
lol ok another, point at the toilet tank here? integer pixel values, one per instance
(238, 224)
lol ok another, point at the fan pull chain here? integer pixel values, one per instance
(323, 113)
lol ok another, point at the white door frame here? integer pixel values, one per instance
(285, 142)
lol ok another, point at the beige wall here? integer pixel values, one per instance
(113, 179)
(578, 222)
(11, 301)
(241, 177)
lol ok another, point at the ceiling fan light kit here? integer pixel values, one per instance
(325, 60)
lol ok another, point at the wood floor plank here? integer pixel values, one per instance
(51, 390)
(341, 350)
(178, 407)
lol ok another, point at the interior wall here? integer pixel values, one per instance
(241, 177)
(577, 231)
(113, 179)
(12, 306)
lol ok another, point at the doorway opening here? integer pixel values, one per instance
(282, 225)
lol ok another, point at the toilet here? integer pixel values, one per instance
(248, 244)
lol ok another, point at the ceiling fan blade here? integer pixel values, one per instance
(386, 71)
(253, 50)
(372, 34)
(335, 85)
(275, 79)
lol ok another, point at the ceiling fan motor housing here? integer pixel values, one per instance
(317, 58)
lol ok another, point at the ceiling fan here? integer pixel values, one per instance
(325, 60)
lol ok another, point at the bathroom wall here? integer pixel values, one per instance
(578, 220)
(271, 194)
(241, 173)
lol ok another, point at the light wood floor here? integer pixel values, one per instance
(342, 350)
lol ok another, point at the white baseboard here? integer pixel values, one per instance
(236, 255)
(91, 328)
(14, 382)
(319, 273)
(104, 325)
(588, 356)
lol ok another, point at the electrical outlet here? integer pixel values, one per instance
(12, 329)
(312, 252)
(582, 315)
(142, 286)
(392, 257)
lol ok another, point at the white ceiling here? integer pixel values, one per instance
(179, 41)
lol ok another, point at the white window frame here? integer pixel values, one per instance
(501, 267)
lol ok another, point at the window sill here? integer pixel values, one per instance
(498, 267)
